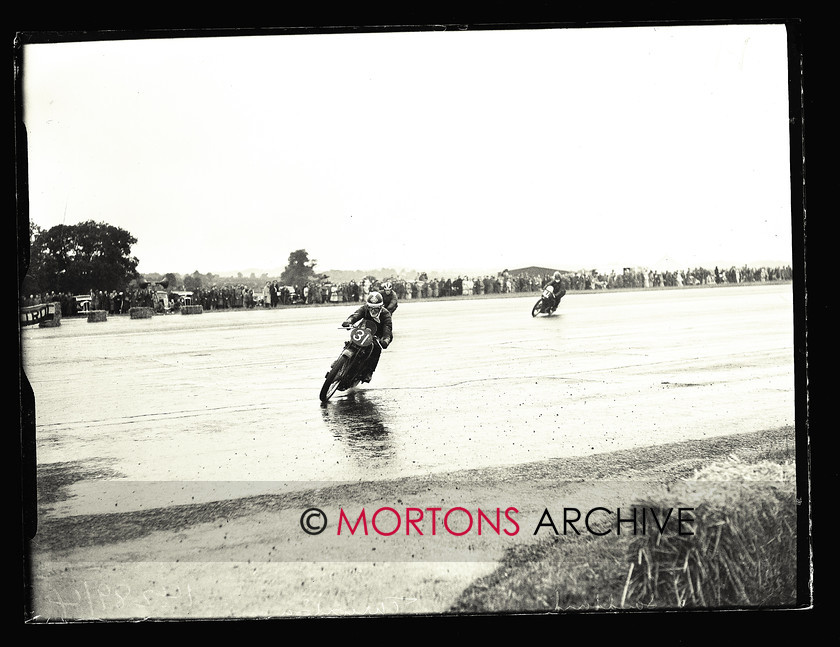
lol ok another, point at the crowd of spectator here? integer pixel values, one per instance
(645, 278)
(506, 282)
(273, 294)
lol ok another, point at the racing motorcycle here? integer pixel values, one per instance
(347, 371)
(547, 303)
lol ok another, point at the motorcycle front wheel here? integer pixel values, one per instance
(537, 309)
(333, 379)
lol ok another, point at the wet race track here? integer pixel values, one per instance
(471, 383)
(178, 456)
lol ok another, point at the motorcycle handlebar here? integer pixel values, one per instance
(375, 337)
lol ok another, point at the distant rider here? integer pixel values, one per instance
(557, 290)
(389, 297)
(374, 311)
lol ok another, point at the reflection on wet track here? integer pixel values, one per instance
(357, 422)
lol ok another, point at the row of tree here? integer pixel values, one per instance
(78, 258)
(75, 259)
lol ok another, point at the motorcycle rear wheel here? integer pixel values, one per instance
(537, 309)
(333, 379)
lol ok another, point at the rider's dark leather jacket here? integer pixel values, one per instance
(558, 290)
(384, 327)
(390, 301)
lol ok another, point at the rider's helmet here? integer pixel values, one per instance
(557, 276)
(387, 287)
(374, 303)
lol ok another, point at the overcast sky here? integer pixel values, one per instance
(665, 147)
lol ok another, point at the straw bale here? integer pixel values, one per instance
(141, 313)
(56, 318)
(742, 549)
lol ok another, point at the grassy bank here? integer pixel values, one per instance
(737, 551)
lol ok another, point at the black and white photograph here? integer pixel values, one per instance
(441, 320)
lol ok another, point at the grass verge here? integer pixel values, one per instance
(736, 548)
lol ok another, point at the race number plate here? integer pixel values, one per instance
(361, 336)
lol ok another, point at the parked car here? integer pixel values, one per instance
(83, 303)
(185, 297)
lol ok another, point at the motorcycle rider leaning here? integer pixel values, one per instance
(373, 310)
(558, 291)
(389, 297)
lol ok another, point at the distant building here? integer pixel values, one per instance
(541, 271)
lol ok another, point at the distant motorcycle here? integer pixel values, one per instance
(547, 303)
(347, 371)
